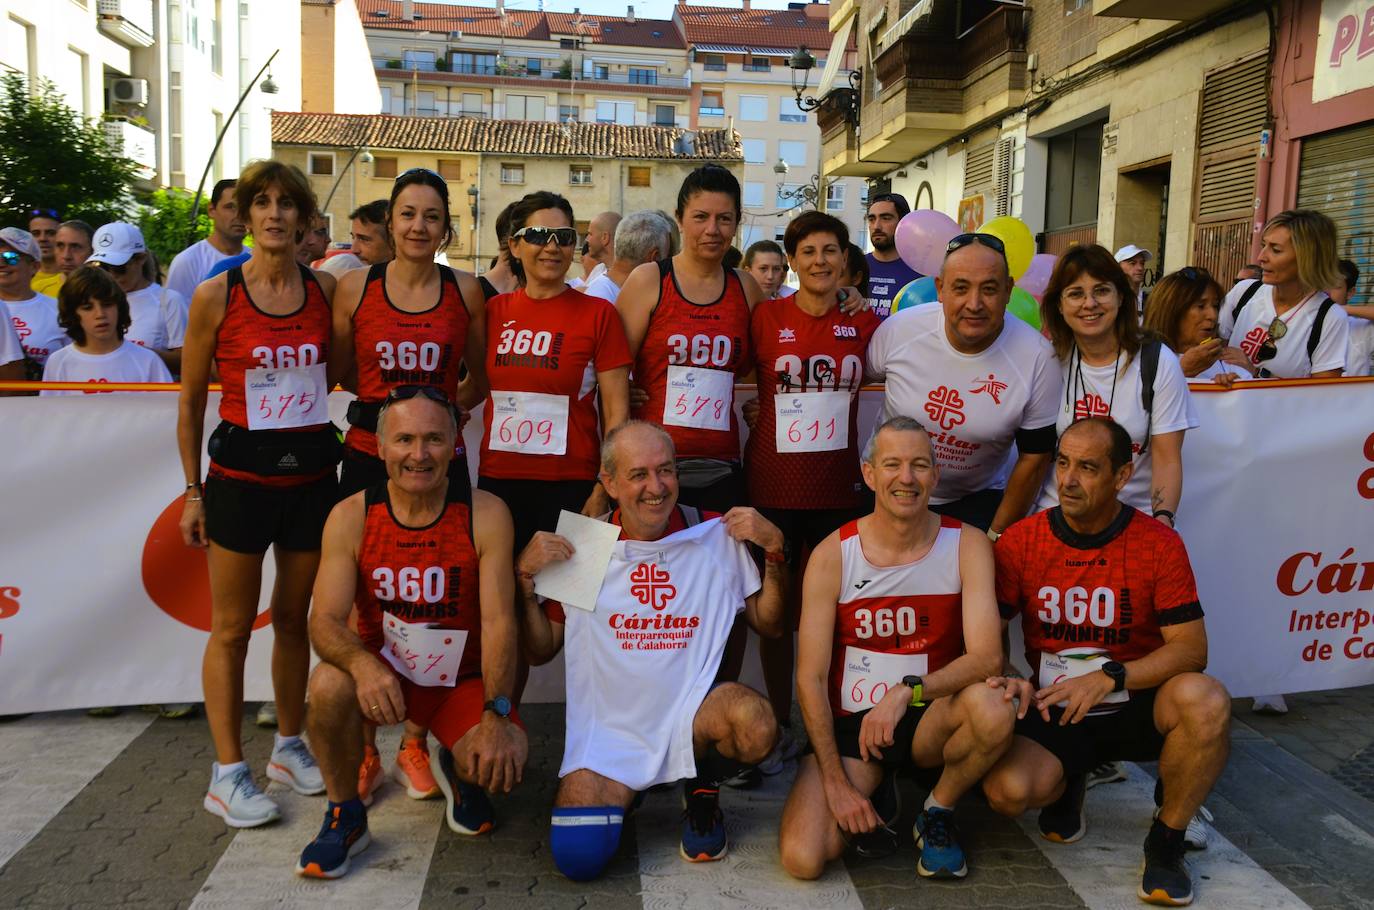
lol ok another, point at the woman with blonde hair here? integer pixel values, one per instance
(1281, 322)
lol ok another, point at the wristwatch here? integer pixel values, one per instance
(500, 706)
(914, 683)
(1116, 673)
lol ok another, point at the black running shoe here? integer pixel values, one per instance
(887, 802)
(1062, 821)
(1165, 880)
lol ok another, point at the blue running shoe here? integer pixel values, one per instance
(938, 840)
(343, 836)
(469, 810)
(703, 826)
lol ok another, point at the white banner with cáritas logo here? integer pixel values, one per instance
(101, 603)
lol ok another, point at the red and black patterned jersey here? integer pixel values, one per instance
(251, 339)
(688, 354)
(393, 347)
(894, 621)
(798, 354)
(1111, 591)
(420, 575)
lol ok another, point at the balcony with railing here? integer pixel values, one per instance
(940, 73)
(135, 142)
(653, 82)
(129, 22)
(1175, 10)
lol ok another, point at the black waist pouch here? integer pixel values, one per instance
(276, 453)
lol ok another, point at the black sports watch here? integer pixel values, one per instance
(500, 706)
(1116, 673)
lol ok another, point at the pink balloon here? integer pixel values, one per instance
(922, 237)
(1036, 278)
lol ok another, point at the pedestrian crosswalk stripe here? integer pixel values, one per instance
(258, 868)
(36, 782)
(1104, 867)
(750, 875)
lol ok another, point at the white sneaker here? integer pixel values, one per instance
(1269, 704)
(293, 765)
(237, 799)
(1109, 772)
(267, 714)
(1198, 833)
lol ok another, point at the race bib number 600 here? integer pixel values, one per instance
(869, 674)
(699, 397)
(287, 398)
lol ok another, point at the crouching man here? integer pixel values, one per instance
(899, 632)
(643, 705)
(428, 566)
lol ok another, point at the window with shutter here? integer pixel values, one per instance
(1234, 111)
(978, 169)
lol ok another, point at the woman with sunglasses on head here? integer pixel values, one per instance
(1283, 321)
(1109, 370)
(1184, 307)
(406, 322)
(550, 350)
(271, 481)
(159, 313)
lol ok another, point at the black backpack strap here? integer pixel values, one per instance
(1315, 337)
(1249, 292)
(691, 515)
(1149, 368)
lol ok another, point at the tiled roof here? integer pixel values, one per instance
(502, 137)
(778, 29)
(527, 24)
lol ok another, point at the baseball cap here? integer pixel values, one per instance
(1130, 251)
(21, 241)
(116, 243)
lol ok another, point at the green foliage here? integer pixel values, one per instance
(441, 65)
(163, 219)
(393, 64)
(565, 71)
(51, 157)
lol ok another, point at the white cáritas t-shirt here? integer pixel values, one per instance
(159, 316)
(35, 322)
(1251, 330)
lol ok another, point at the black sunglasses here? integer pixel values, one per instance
(44, 213)
(540, 236)
(416, 390)
(112, 268)
(987, 240)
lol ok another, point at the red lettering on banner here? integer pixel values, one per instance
(9, 601)
(1357, 648)
(1365, 485)
(1339, 577)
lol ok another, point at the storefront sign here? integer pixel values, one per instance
(1345, 49)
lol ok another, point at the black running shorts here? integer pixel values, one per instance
(250, 517)
(1125, 735)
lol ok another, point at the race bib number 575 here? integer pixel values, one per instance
(286, 398)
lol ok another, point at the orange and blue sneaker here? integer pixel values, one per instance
(703, 825)
(412, 770)
(1165, 879)
(369, 775)
(343, 836)
(937, 840)
(469, 810)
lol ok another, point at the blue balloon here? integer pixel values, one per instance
(920, 291)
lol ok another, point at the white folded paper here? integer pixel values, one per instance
(577, 582)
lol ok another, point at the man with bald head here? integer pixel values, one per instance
(978, 381)
(601, 243)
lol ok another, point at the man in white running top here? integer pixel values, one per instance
(643, 705)
(899, 631)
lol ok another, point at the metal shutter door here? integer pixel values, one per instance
(1336, 177)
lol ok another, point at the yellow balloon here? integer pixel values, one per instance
(1017, 238)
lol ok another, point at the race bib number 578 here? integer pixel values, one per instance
(699, 397)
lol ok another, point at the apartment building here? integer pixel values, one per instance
(1110, 121)
(740, 76)
(353, 159)
(163, 75)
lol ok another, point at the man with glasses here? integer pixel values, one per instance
(427, 564)
(33, 315)
(978, 381)
(193, 264)
(887, 273)
(43, 225)
(1115, 638)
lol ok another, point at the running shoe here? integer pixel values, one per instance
(176, 711)
(469, 810)
(267, 714)
(1109, 772)
(1165, 879)
(1196, 836)
(293, 765)
(789, 746)
(237, 799)
(1271, 705)
(750, 778)
(703, 826)
(887, 802)
(937, 839)
(369, 775)
(104, 711)
(343, 836)
(412, 770)
(1062, 821)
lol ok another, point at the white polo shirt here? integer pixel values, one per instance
(972, 404)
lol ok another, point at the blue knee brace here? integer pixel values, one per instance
(584, 838)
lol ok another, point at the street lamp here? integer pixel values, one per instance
(844, 98)
(806, 194)
(473, 195)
